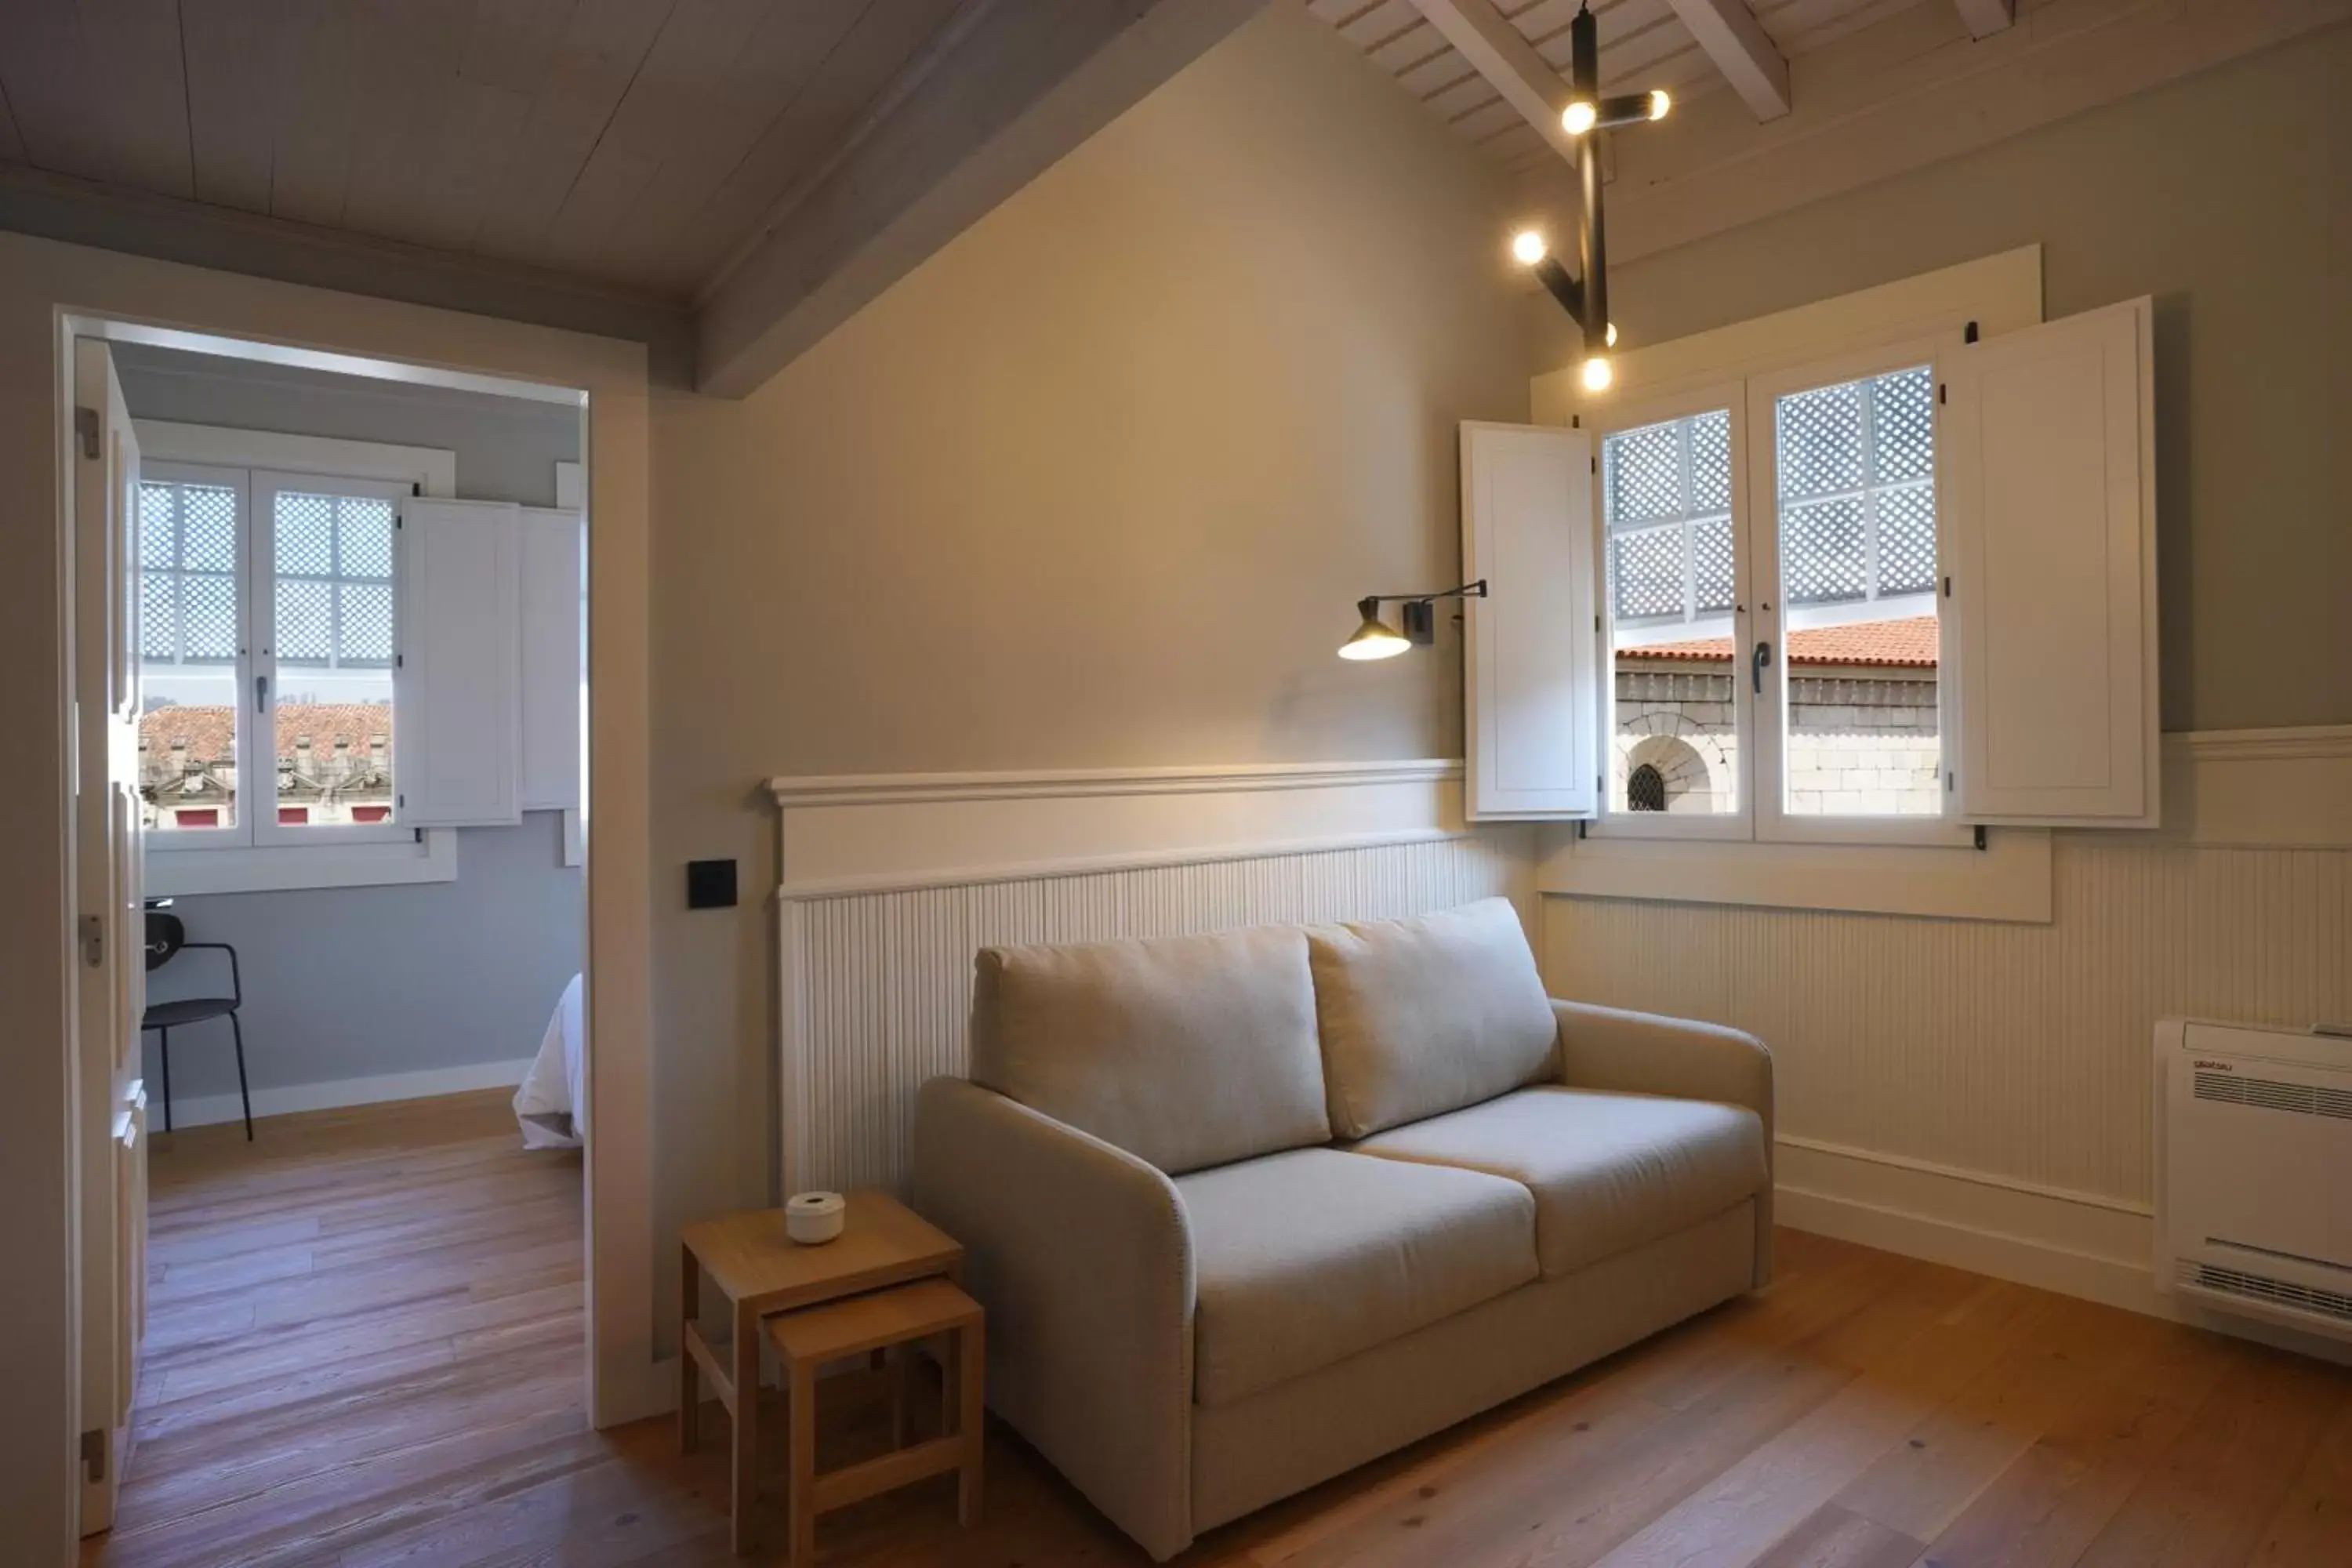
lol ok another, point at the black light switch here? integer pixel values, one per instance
(710, 884)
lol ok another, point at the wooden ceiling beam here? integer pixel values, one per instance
(1502, 54)
(1983, 18)
(1729, 35)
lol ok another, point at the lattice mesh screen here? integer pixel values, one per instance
(306, 621)
(1710, 462)
(207, 528)
(1646, 572)
(1711, 564)
(365, 635)
(1645, 477)
(158, 543)
(158, 616)
(1902, 426)
(1906, 540)
(208, 617)
(363, 535)
(306, 534)
(1822, 552)
(1819, 435)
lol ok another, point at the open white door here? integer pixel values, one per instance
(2046, 446)
(110, 926)
(1532, 702)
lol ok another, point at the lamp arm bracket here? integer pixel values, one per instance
(1476, 590)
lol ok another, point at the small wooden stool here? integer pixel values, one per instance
(760, 1269)
(891, 1319)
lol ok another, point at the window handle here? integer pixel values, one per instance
(261, 694)
(1756, 663)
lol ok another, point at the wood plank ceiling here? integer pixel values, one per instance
(634, 142)
(1643, 44)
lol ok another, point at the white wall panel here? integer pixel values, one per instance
(878, 986)
(2019, 1052)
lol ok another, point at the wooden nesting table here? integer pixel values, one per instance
(762, 1271)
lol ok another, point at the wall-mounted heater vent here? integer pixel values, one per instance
(2261, 1288)
(2270, 1094)
(2253, 1172)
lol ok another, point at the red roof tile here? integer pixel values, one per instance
(209, 732)
(1908, 644)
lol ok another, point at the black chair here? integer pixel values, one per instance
(167, 938)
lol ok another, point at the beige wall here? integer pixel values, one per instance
(39, 280)
(1096, 485)
(2228, 196)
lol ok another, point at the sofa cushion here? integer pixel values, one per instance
(1428, 1014)
(1184, 1051)
(1609, 1171)
(1306, 1257)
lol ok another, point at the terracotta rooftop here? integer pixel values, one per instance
(1909, 644)
(210, 732)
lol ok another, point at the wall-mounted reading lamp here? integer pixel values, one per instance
(1586, 115)
(1377, 640)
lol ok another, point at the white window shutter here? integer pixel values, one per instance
(1532, 700)
(553, 544)
(458, 722)
(2046, 445)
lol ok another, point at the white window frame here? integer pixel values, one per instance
(263, 857)
(262, 487)
(1722, 825)
(1774, 823)
(2010, 879)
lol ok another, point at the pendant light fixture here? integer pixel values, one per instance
(1377, 640)
(1588, 114)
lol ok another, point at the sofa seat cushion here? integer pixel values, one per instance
(1184, 1051)
(1428, 1014)
(1306, 1257)
(1609, 1171)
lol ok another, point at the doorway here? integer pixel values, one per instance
(308, 638)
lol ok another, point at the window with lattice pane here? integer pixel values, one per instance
(188, 603)
(1666, 501)
(333, 567)
(1856, 466)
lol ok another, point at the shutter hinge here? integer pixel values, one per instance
(93, 1454)
(1943, 391)
(1947, 584)
(1595, 463)
(1581, 825)
(93, 941)
(1969, 334)
(400, 800)
(1981, 835)
(1576, 421)
(417, 489)
(1951, 781)
(86, 426)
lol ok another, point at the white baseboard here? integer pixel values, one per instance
(2076, 1244)
(206, 1110)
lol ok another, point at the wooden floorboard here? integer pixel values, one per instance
(366, 1351)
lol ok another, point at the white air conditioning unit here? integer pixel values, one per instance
(2254, 1171)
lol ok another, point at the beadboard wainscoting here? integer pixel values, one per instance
(889, 885)
(1981, 1092)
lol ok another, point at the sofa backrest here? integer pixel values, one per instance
(1184, 1051)
(1429, 1015)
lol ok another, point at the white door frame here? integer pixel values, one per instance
(119, 299)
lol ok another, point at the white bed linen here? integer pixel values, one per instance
(551, 1106)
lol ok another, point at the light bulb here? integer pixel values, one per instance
(1659, 103)
(1580, 117)
(1597, 373)
(1373, 641)
(1528, 246)
(1611, 336)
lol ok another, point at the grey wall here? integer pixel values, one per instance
(345, 982)
(351, 982)
(2228, 196)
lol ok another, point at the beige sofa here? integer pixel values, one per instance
(1249, 1209)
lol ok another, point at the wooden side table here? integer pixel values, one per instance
(894, 1320)
(761, 1270)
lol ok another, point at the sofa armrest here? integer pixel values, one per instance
(1644, 1053)
(1083, 1258)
